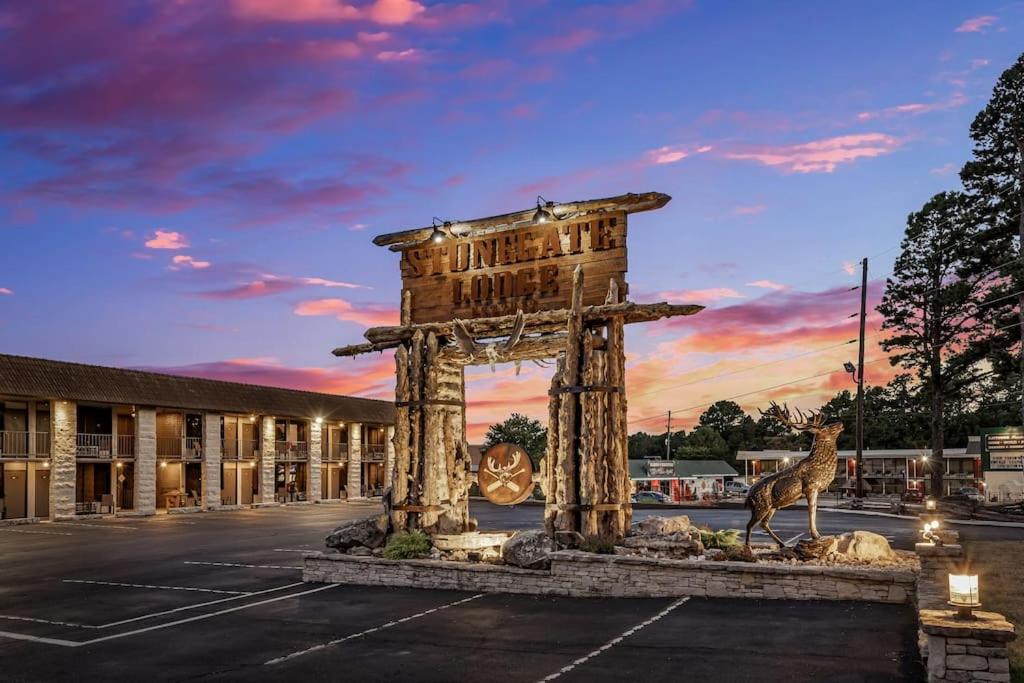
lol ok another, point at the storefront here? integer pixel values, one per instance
(681, 480)
(1002, 463)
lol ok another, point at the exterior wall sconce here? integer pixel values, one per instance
(964, 595)
(929, 505)
(928, 533)
(319, 420)
(163, 463)
(438, 235)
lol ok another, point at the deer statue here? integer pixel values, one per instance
(805, 479)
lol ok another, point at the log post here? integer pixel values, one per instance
(619, 483)
(400, 489)
(568, 469)
(549, 478)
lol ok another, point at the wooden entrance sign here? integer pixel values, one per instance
(505, 476)
(511, 288)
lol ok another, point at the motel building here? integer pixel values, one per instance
(893, 471)
(83, 439)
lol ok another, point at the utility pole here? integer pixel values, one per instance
(668, 437)
(860, 379)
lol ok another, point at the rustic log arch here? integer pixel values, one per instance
(585, 473)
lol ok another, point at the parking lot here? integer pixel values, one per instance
(219, 596)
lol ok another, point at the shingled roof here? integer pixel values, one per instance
(40, 378)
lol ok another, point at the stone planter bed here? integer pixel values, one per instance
(581, 574)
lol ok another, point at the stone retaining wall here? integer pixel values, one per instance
(580, 574)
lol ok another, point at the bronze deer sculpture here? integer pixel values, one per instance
(805, 479)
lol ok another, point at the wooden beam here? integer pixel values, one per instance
(368, 347)
(630, 203)
(543, 321)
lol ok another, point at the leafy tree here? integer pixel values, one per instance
(704, 442)
(644, 445)
(995, 180)
(930, 308)
(525, 432)
(722, 416)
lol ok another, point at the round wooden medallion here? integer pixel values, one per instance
(505, 476)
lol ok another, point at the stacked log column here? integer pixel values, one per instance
(431, 483)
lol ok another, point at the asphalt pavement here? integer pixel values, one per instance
(219, 596)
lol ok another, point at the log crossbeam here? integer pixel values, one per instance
(382, 338)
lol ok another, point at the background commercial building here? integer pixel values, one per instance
(85, 439)
(681, 479)
(893, 471)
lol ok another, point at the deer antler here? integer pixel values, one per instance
(464, 339)
(813, 421)
(517, 332)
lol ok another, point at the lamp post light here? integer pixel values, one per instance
(964, 595)
(545, 211)
(857, 373)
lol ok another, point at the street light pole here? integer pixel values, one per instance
(668, 437)
(860, 379)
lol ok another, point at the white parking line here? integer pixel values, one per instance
(615, 641)
(151, 586)
(795, 538)
(293, 550)
(11, 617)
(91, 525)
(244, 566)
(353, 636)
(73, 643)
(41, 533)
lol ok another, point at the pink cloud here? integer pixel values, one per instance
(6, 291)
(696, 296)
(296, 10)
(167, 239)
(394, 12)
(183, 261)
(915, 108)
(849, 268)
(666, 155)
(269, 284)
(945, 169)
(372, 376)
(570, 41)
(369, 315)
(750, 210)
(820, 156)
(768, 284)
(976, 24)
(408, 55)
(373, 37)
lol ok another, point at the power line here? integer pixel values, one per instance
(749, 393)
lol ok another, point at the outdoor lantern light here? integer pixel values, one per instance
(544, 212)
(930, 505)
(46, 465)
(850, 367)
(163, 463)
(438, 235)
(120, 465)
(319, 420)
(963, 594)
(928, 533)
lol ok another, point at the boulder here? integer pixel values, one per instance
(675, 546)
(359, 551)
(569, 540)
(367, 533)
(865, 546)
(528, 549)
(660, 526)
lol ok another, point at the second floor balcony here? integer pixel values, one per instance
(24, 444)
(374, 452)
(338, 452)
(104, 445)
(291, 450)
(180, 448)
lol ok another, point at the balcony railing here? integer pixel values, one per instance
(374, 452)
(94, 445)
(23, 445)
(193, 448)
(338, 452)
(125, 445)
(250, 449)
(291, 450)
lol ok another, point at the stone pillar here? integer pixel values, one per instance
(316, 433)
(211, 461)
(268, 458)
(145, 461)
(64, 415)
(355, 461)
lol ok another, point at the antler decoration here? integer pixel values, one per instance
(464, 340)
(814, 419)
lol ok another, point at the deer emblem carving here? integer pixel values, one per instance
(805, 479)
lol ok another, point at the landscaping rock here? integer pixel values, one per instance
(367, 533)
(663, 525)
(359, 551)
(865, 546)
(568, 540)
(528, 549)
(675, 546)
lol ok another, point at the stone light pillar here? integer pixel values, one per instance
(145, 461)
(268, 458)
(355, 461)
(389, 456)
(64, 415)
(316, 435)
(211, 461)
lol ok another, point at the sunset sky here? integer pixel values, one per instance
(192, 185)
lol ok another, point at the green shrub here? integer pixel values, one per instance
(723, 538)
(407, 545)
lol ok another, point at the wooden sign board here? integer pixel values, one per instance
(486, 274)
(506, 474)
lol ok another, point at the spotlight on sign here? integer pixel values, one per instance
(963, 594)
(544, 212)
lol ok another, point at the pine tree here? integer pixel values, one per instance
(995, 181)
(930, 311)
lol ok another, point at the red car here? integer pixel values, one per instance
(913, 496)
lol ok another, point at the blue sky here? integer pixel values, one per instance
(194, 185)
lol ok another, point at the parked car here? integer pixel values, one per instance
(737, 488)
(650, 497)
(971, 493)
(913, 496)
